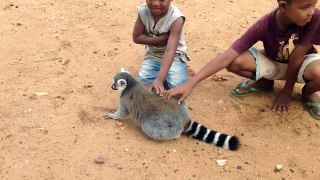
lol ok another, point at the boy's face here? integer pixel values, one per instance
(158, 7)
(299, 12)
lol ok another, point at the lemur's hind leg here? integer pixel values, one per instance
(161, 130)
(118, 115)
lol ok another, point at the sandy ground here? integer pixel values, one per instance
(58, 59)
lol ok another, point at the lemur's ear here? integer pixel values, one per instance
(124, 70)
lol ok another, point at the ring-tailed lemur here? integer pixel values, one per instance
(159, 118)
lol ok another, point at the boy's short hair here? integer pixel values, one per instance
(287, 1)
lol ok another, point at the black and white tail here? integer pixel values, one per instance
(200, 132)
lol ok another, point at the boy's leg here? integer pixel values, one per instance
(148, 72)
(244, 65)
(177, 74)
(248, 65)
(311, 75)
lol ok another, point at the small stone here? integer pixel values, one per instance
(88, 86)
(278, 168)
(119, 124)
(44, 130)
(99, 160)
(33, 97)
(221, 162)
(28, 110)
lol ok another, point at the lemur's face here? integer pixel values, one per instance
(119, 84)
(120, 80)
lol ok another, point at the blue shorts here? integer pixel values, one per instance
(177, 74)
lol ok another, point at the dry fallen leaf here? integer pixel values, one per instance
(41, 93)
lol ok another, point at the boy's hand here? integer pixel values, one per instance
(158, 86)
(281, 103)
(183, 91)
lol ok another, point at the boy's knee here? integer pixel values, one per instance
(316, 74)
(312, 72)
(174, 82)
(176, 79)
(315, 69)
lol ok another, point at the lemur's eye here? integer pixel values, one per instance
(121, 82)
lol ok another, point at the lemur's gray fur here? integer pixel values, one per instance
(159, 118)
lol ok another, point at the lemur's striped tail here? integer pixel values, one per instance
(198, 131)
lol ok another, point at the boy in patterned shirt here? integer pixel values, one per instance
(288, 36)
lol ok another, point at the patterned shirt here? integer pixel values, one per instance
(278, 45)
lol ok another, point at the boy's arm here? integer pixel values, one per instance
(139, 35)
(168, 56)
(295, 61)
(216, 64)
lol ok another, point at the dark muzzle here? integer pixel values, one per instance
(114, 86)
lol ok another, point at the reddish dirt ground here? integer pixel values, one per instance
(58, 59)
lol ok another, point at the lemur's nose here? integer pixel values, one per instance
(114, 86)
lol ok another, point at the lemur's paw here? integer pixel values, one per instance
(108, 115)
